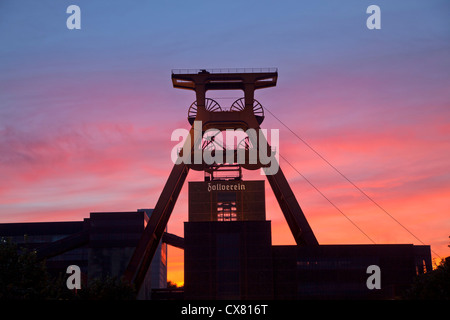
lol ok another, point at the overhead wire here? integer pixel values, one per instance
(347, 179)
(326, 198)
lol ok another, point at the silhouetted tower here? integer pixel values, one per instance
(245, 113)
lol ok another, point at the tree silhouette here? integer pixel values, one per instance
(21, 275)
(433, 285)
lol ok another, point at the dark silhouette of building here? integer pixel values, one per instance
(227, 242)
(100, 245)
(340, 271)
(229, 254)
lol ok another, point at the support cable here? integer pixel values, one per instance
(348, 180)
(326, 198)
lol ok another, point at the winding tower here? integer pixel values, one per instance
(204, 114)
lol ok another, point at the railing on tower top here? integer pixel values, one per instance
(224, 70)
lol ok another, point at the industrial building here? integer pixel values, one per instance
(100, 245)
(229, 254)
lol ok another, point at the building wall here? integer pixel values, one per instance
(228, 260)
(227, 242)
(35, 235)
(113, 237)
(209, 199)
(235, 260)
(340, 271)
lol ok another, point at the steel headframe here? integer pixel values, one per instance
(200, 81)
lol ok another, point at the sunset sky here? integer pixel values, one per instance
(86, 115)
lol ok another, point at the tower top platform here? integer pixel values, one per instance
(224, 79)
(225, 70)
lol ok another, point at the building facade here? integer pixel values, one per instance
(341, 271)
(229, 254)
(100, 245)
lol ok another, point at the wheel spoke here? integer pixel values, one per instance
(239, 105)
(210, 105)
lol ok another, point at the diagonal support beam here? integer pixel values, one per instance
(293, 214)
(153, 232)
(173, 240)
(66, 244)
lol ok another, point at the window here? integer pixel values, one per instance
(226, 206)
